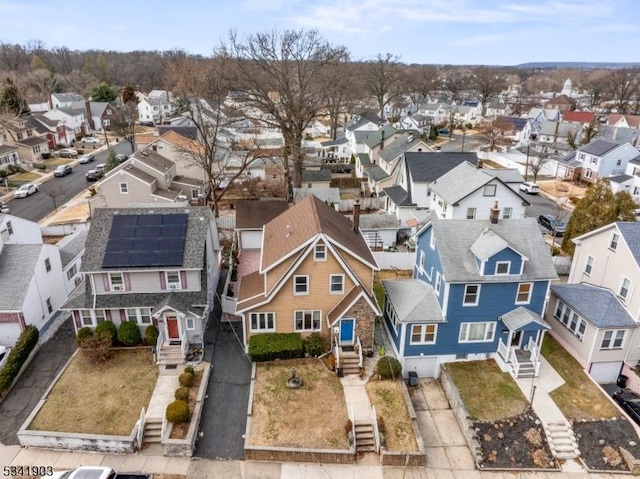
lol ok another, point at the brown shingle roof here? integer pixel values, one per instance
(301, 223)
(342, 306)
(579, 116)
(251, 285)
(632, 120)
(254, 214)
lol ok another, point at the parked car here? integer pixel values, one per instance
(4, 208)
(100, 167)
(90, 140)
(4, 354)
(530, 187)
(146, 123)
(121, 157)
(62, 170)
(96, 472)
(93, 175)
(25, 190)
(629, 402)
(554, 225)
(87, 158)
(68, 153)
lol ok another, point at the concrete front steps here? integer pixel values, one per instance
(152, 430)
(169, 354)
(561, 440)
(349, 362)
(364, 438)
(526, 370)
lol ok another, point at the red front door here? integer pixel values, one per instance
(172, 327)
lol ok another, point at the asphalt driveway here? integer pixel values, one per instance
(33, 383)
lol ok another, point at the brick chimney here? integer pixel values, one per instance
(356, 216)
(382, 139)
(494, 213)
(479, 164)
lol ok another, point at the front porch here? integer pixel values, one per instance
(520, 363)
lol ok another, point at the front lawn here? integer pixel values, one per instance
(579, 397)
(312, 416)
(388, 399)
(100, 399)
(487, 392)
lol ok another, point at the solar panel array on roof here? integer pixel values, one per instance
(146, 240)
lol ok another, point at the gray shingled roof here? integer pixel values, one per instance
(630, 231)
(618, 134)
(376, 173)
(197, 232)
(521, 316)
(4, 149)
(548, 128)
(598, 147)
(619, 178)
(316, 175)
(398, 195)
(506, 175)
(153, 160)
(454, 239)
(374, 138)
(597, 305)
(17, 263)
(72, 248)
(364, 158)
(32, 141)
(428, 167)
(336, 142)
(413, 300)
(399, 145)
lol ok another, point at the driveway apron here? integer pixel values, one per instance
(33, 383)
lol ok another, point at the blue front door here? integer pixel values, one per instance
(347, 327)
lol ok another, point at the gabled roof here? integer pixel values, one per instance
(199, 219)
(413, 300)
(401, 144)
(188, 132)
(72, 248)
(632, 120)
(315, 175)
(336, 142)
(300, 224)
(454, 240)
(374, 138)
(488, 244)
(579, 116)
(630, 231)
(153, 160)
(254, 214)
(428, 167)
(349, 300)
(17, 263)
(618, 134)
(519, 317)
(97, 108)
(599, 147)
(32, 141)
(4, 149)
(559, 128)
(376, 173)
(67, 97)
(506, 175)
(398, 195)
(561, 100)
(599, 306)
(364, 159)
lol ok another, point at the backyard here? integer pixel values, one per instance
(388, 399)
(312, 416)
(99, 399)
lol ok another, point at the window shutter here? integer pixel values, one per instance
(107, 314)
(127, 283)
(163, 281)
(105, 281)
(76, 318)
(123, 316)
(183, 279)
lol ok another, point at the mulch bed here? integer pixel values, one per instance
(600, 441)
(517, 442)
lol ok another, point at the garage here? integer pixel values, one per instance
(251, 239)
(607, 372)
(9, 333)
(424, 366)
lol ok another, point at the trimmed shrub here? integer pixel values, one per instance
(389, 368)
(151, 335)
(270, 346)
(189, 370)
(186, 380)
(17, 357)
(83, 334)
(129, 334)
(316, 344)
(177, 411)
(182, 393)
(107, 327)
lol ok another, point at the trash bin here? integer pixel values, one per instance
(622, 381)
(413, 378)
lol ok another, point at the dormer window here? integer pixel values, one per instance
(320, 252)
(502, 267)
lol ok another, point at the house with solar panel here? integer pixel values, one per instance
(314, 274)
(478, 291)
(150, 265)
(595, 314)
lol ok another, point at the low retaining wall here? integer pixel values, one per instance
(185, 447)
(461, 414)
(289, 454)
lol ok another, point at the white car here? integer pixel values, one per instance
(25, 190)
(530, 187)
(90, 140)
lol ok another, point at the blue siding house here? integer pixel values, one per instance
(479, 290)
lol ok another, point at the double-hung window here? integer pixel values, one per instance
(471, 295)
(116, 281)
(588, 266)
(320, 252)
(613, 339)
(336, 283)
(613, 242)
(301, 284)
(523, 295)
(424, 333)
(307, 320)
(625, 287)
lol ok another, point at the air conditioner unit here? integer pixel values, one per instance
(117, 287)
(174, 286)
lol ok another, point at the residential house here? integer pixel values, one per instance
(389, 156)
(483, 296)
(31, 278)
(8, 155)
(38, 103)
(156, 106)
(562, 103)
(496, 109)
(101, 115)
(336, 150)
(554, 137)
(468, 192)
(618, 134)
(251, 216)
(437, 112)
(74, 119)
(150, 265)
(538, 116)
(316, 178)
(65, 100)
(623, 121)
(380, 231)
(584, 118)
(520, 130)
(20, 134)
(595, 315)
(416, 172)
(146, 177)
(314, 274)
(71, 251)
(414, 122)
(598, 159)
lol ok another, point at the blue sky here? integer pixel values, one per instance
(498, 32)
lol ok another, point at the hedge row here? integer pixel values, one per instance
(17, 357)
(270, 346)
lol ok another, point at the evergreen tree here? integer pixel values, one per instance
(104, 92)
(11, 101)
(599, 207)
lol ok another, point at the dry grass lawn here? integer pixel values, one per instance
(389, 402)
(488, 393)
(579, 397)
(51, 163)
(312, 416)
(26, 177)
(104, 399)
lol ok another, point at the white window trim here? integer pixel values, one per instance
(190, 324)
(172, 285)
(137, 317)
(507, 213)
(498, 263)
(588, 264)
(116, 287)
(615, 236)
(304, 312)
(528, 296)
(266, 316)
(341, 276)
(622, 280)
(559, 315)
(297, 293)
(87, 314)
(438, 285)
(432, 240)
(612, 339)
(423, 334)
(317, 249)
(124, 191)
(490, 328)
(423, 258)
(473, 212)
(465, 295)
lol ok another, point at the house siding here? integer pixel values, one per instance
(147, 282)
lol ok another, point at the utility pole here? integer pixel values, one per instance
(526, 167)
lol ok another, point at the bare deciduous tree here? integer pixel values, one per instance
(422, 81)
(488, 83)
(455, 83)
(494, 132)
(624, 85)
(383, 79)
